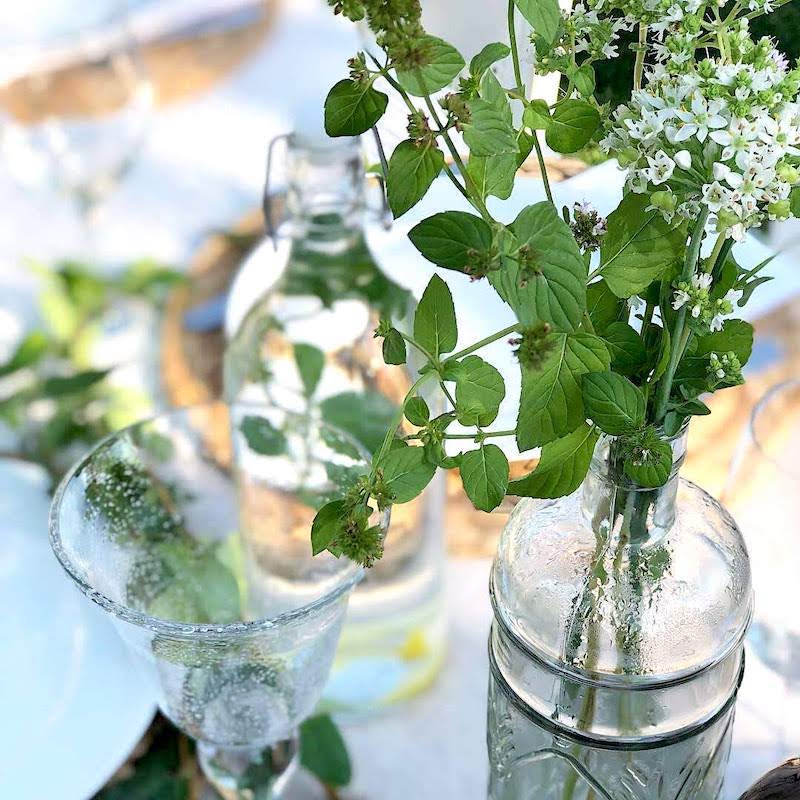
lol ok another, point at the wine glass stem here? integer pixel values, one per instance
(249, 773)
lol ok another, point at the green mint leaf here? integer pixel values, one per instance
(552, 286)
(603, 306)
(435, 326)
(327, 525)
(663, 353)
(736, 336)
(651, 465)
(71, 384)
(412, 169)
(417, 411)
(551, 402)
(262, 436)
(29, 351)
(490, 131)
(572, 126)
(340, 443)
(537, 116)
(484, 473)
(310, 362)
(639, 246)
(613, 403)
(447, 238)
(692, 408)
(544, 15)
(491, 54)
(216, 589)
(323, 751)
(352, 108)
(364, 415)
(584, 79)
(525, 142)
(493, 176)
(794, 200)
(479, 391)
(406, 472)
(444, 63)
(394, 348)
(628, 353)
(562, 466)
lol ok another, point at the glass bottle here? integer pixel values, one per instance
(327, 291)
(616, 650)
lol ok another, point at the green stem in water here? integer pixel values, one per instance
(678, 337)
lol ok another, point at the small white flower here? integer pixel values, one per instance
(635, 303)
(681, 299)
(661, 167)
(721, 171)
(703, 117)
(715, 196)
(702, 281)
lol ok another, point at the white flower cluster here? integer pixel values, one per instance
(723, 369)
(585, 32)
(706, 312)
(721, 135)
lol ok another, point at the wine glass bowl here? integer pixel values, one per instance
(75, 101)
(199, 550)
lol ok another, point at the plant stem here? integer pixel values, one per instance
(638, 68)
(446, 393)
(512, 35)
(680, 334)
(542, 167)
(488, 340)
(712, 259)
(397, 420)
(413, 342)
(473, 194)
(438, 129)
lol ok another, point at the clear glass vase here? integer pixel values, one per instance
(616, 650)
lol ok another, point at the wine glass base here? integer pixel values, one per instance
(249, 773)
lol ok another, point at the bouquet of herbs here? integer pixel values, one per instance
(623, 323)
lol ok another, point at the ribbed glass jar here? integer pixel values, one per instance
(616, 650)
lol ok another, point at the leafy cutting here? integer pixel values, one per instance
(622, 323)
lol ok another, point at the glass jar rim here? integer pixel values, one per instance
(172, 628)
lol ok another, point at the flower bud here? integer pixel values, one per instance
(628, 156)
(789, 173)
(782, 209)
(664, 200)
(726, 219)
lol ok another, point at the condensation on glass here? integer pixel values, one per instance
(616, 651)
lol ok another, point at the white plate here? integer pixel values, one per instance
(73, 706)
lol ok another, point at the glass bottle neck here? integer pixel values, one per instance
(325, 196)
(612, 503)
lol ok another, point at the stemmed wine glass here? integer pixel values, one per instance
(192, 531)
(75, 99)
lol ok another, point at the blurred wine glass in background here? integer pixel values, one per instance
(763, 494)
(75, 99)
